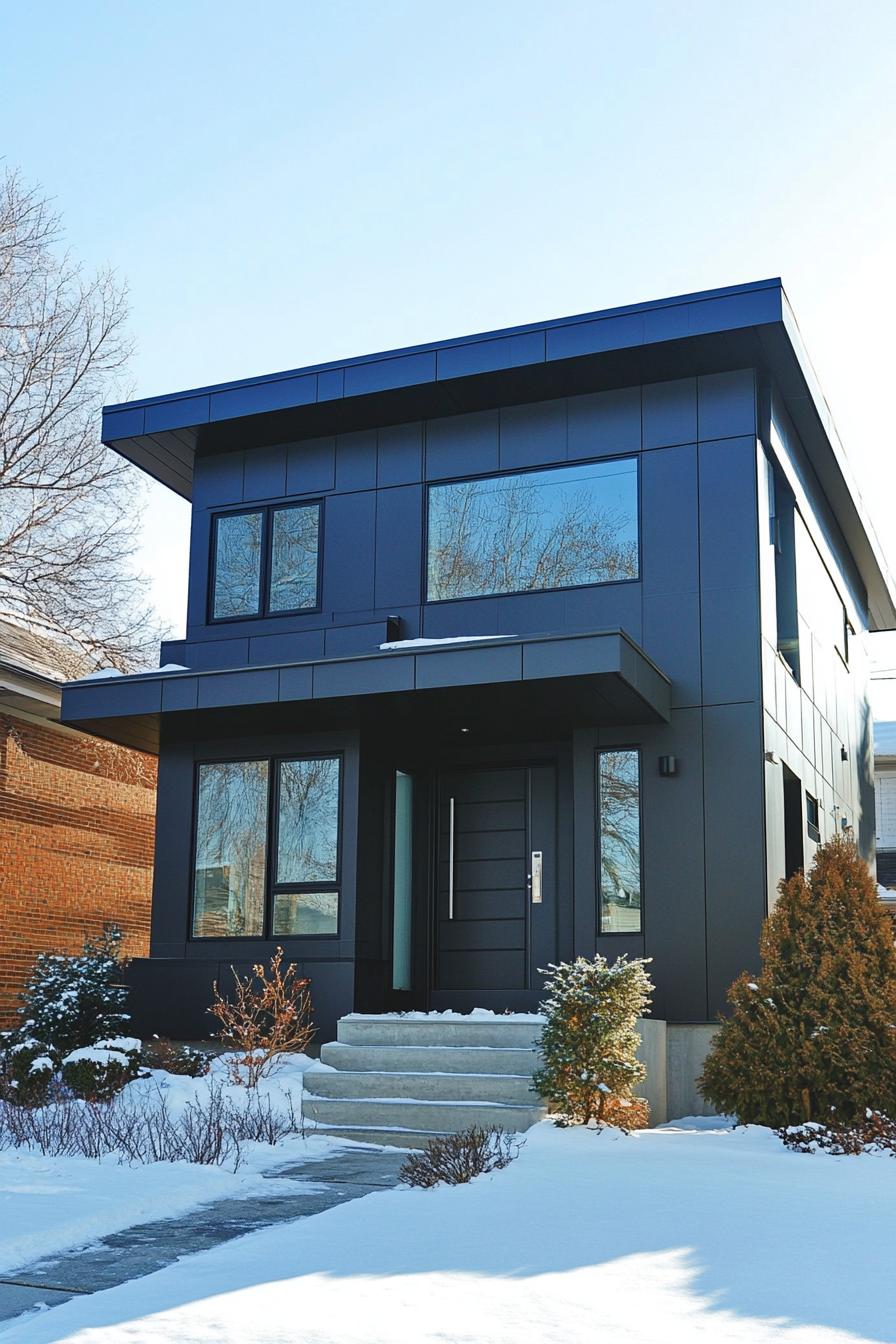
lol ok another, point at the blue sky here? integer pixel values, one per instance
(287, 183)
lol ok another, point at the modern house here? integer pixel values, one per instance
(77, 821)
(501, 650)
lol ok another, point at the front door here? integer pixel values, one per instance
(495, 916)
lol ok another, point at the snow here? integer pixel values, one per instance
(102, 673)
(447, 1014)
(95, 1054)
(694, 1231)
(432, 643)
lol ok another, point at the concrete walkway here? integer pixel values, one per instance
(320, 1183)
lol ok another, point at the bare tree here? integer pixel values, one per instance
(67, 504)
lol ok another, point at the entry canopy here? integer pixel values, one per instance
(504, 687)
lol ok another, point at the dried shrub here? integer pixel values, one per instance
(454, 1159)
(160, 1053)
(876, 1133)
(268, 1016)
(813, 1036)
(588, 1045)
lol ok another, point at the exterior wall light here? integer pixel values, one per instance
(844, 754)
(668, 765)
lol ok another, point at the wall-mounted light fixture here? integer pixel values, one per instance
(771, 758)
(844, 754)
(668, 765)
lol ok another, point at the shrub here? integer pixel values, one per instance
(29, 1067)
(269, 1016)
(160, 1053)
(876, 1133)
(455, 1159)
(588, 1045)
(97, 1072)
(72, 1001)
(813, 1036)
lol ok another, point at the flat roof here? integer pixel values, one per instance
(740, 326)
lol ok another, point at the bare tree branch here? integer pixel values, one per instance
(67, 504)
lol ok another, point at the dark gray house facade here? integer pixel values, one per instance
(499, 651)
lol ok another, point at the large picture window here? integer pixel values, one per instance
(266, 870)
(619, 840)
(266, 561)
(557, 528)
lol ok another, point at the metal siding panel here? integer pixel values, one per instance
(264, 473)
(356, 460)
(256, 398)
(572, 657)
(256, 687)
(588, 338)
(670, 413)
(343, 640)
(603, 423)
(531, 613)
(311, 466)
(399, 534)
(180, 693)
(474, 616)
(349, 552)
(369, 676)
(295, 683)
(286, 648)
(124, 424)
(176, 414)
(470, 666)
(532, 435)
(460, 445)
(728, 515)
(399, 454)
(612, 606)
(210, 654)
(669, 520)
(199, 560)
(735, 852)
(459, 361)
(726, 404)
(382, 374)
(730, 643)
(218, 480)
(672, 640)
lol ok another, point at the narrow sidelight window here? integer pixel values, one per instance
(231, 849)
(238, 551)
(306, 897)
(619, 840)
(812, 818)
(402, 879)
(266, 561)
(523, 532)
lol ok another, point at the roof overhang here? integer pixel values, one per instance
(29, 692)
(507, 688)
(737, 327)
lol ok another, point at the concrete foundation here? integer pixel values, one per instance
(673, 1053)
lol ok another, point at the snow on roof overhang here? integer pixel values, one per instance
(739, 326)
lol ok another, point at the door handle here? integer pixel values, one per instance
(450, 858)
(535, 876)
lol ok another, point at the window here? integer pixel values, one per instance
(265, 561)
(783, 537)
(558, 528)
(619, 840)
(239, 892)
(812, 818)
(402, 880)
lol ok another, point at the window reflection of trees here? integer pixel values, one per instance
(231, 833)
(294, 558)
(307, 839)
(620, 841)
(237, 564)
(532, 531)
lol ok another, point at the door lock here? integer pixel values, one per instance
(535, 876)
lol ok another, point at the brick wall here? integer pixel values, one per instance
(76, 845)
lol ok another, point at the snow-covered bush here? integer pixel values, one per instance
(589, 1068)
(812, 1037)
(876, 1133)
(455, 1159)
(185, 1060)
(269, 1016)
(69, 1002)
(97, 1072)
(28, 1070)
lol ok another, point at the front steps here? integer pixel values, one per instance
(401, 1081)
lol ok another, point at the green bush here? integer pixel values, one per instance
(97, 1072)
(812, 1037)
(589, 1068)
(29, 1069)
(73, 1001)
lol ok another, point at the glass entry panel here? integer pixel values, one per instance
(402, 881)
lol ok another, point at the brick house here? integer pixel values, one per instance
(77, 818)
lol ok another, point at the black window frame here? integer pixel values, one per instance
(637, 749)
(634, 457)
(267, 512)
(813, 828)
(271, 887)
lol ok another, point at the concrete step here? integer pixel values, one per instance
(385, 1138)
(436, 1030)
(505, 1088)
(428, 1058)
(447, 1117)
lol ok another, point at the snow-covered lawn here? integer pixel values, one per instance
(683, 1233)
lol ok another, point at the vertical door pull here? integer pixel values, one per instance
(450, 858)
(535, 876)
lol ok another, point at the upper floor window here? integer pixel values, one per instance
(267, 868)
(266, 561)
(524, 532)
